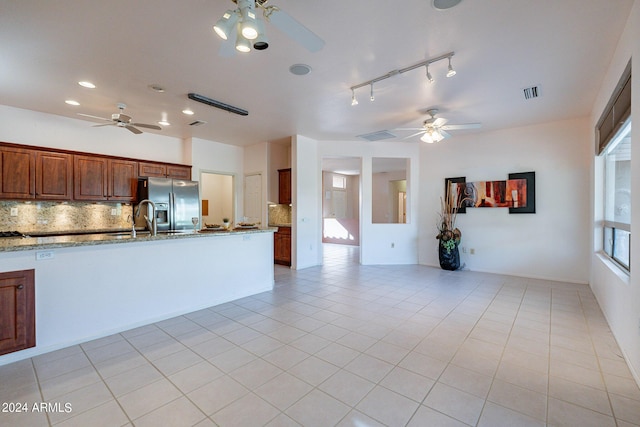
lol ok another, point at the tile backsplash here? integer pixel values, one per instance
(279, 214)
(53, 217)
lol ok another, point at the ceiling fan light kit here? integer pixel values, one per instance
(450, 73)
(250, 29)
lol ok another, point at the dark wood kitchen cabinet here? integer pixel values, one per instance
(100, 178)
(17, 311)
(164, 170)
(284, 186)
(54, 176)
(282, 246)
(33, 174)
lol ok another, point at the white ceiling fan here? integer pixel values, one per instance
(434, 130)
(242, 29)
(122, 120)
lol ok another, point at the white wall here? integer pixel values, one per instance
(618, 293)
(46, 130)
(550, 244)
(256, 161)
(306, 190)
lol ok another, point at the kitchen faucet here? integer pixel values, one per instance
(151, 223)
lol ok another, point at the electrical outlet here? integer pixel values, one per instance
(464, 249)
(393, 245)
(114, 212)
(14, 211)
(44, 255)
(472, 251)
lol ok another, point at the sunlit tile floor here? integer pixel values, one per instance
(348, 345)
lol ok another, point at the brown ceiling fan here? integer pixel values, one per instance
(122, 120)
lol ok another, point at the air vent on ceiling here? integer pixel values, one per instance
(197, 123)
(217, 104)
(377, 136)
(531, 92)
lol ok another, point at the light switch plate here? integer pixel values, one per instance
(14, 211)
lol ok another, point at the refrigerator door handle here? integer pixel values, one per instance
(172, 207)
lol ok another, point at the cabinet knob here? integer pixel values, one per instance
(19, 287)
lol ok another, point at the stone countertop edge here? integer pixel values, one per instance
(275, 224)
(76, 240)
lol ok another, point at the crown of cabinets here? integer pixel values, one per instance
(29, 173)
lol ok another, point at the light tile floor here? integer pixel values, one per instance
(348, 345)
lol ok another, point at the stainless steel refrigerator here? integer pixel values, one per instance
(177, 201)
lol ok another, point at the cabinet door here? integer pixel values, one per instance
(152, 169)
(282, 246)
(179, 172)
(284, 186)
(90, 178)
(17, 311)
(54, 176)
(123, 180)
(17, 173)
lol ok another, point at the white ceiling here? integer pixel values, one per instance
(123, 46)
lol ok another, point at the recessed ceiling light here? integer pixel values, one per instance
(445, 4)
(188, 112)
(300, 69)
(164, 123)
(72, 102)
(88, 85)
(156, 88)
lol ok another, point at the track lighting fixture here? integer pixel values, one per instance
(248, 15)
(372, 98)
(245, 21)
(429, 76)
(451, 72)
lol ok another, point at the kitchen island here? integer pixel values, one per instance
(91, 286)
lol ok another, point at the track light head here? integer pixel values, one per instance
(354, 101)
(451, 72)
(372, 98)
(261, 42)
(225, 25)
(429, 76)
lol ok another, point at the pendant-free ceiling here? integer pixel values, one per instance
(243, 28)
(450, 73)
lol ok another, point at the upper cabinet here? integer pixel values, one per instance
(284, 186)
(164, 170)
(32, 174)
(99, 178)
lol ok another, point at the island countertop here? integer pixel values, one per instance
(11, 244)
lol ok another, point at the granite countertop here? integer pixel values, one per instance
(74, 239)
(279, 224)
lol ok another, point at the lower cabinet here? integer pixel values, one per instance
(282, 246)
(17, 311)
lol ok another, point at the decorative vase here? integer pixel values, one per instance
(449, 257)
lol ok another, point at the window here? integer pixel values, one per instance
(339, 181)
(617, 197)
(613, 142)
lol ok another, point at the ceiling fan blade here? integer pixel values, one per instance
(439, 122)
(444, 134)
(409, 128)
(105, 124)
(134, 130)
(93, 117)
(415, 134)
(228, 47)
(294, 29)
(143, 125)
(462, 126)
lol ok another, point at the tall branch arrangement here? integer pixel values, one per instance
(449, 206)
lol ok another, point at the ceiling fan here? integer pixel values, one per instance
(122, 120)
(242, 28)
(434, 130)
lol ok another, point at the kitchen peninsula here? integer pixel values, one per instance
(91, 286)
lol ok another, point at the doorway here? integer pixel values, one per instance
(217, 195)
(341, 200)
